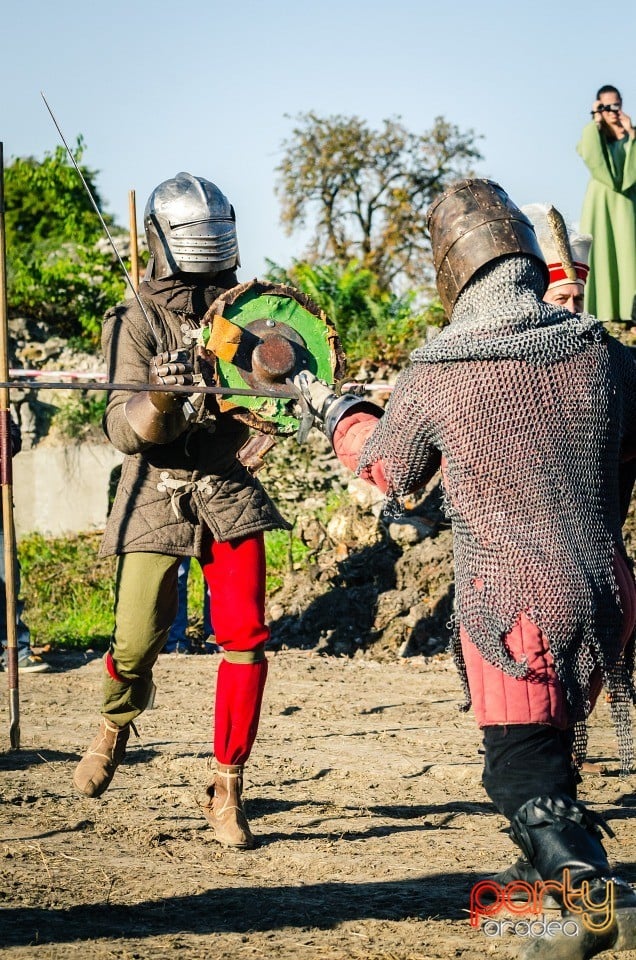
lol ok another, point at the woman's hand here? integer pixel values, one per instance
(597, 113)
(626, 123)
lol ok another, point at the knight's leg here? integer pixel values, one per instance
(235, 573)
(145, 606)
(523, 759)
(530, 777)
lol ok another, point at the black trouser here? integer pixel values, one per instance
(524, 761)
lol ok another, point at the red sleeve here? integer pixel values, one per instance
(350, 435)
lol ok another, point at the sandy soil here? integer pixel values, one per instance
(364, 790)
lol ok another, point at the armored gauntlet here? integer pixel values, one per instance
(158, 416)
(326, 406)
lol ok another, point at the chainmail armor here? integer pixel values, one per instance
(527, 409)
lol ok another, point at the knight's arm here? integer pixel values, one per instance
(348, 441)
(392, 449)
(135, 421)
(127, 351)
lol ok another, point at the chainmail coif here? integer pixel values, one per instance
(527, 408)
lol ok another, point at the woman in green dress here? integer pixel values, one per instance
(609, 208)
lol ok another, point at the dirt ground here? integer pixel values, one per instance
(364, 790)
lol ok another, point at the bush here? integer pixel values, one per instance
(77, 417)
(69, 591)
(370, 322)
(282, 550)
(55, 272)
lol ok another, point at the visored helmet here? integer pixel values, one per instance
(191, 226)
(471, 224)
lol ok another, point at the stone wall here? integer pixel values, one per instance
(62, 490)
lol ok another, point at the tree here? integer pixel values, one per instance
(55, 273)
(364, 193)
(370, 322)
(45, 202)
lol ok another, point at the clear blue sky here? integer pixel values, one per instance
(205, 86)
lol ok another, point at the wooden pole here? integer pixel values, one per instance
(7, 490)
(134, 247)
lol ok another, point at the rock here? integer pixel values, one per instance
(392, 604)
(403, 651)
(456, 772)
(275, 611)
(409, 530)
(363, 493)
(417, 612)
(37, 353)
(310, 530)
(353, 528)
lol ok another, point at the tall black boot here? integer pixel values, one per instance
(521, 870)
(519, 760)
(557, 833)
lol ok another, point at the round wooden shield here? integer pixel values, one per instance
(262, 334)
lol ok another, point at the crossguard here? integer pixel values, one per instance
(306, 416)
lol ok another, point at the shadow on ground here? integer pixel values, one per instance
(241, 910)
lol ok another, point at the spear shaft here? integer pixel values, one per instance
(7, 490)
(134, 243)
(288, 394)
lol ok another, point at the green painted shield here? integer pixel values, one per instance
(305, 339)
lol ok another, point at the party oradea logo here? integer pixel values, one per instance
(520, 898)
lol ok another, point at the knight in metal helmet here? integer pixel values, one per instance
(185, 491)
(191, 228)
(473, 223)
(532, 418)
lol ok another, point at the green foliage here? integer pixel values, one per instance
(71, 288)
(45, 201)
(371, 322)
(282, 551)
(54, 271)
(435, 315)
(69, 591)
(79, 414)
(197, 596)
(364, 193)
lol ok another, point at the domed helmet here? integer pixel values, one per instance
(191, 227)
(471, 224)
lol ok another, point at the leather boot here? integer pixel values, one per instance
(224, 808)
(522, 870)
(558, 833)
(96, 769)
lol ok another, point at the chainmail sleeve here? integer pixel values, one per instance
(405, 440)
